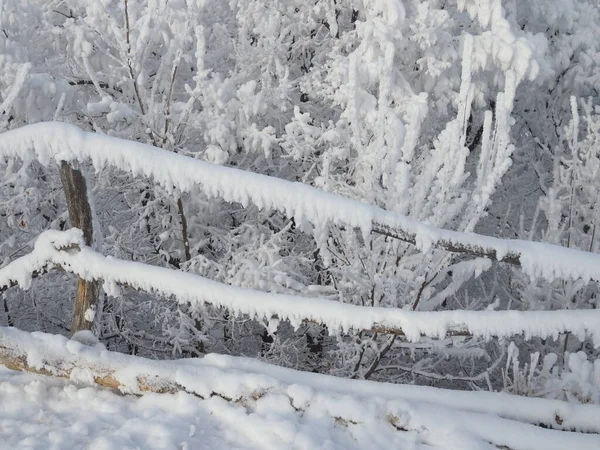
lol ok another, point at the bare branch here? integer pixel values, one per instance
(512, 258)
(130, 63)
(102, 84)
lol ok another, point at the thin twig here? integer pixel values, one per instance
(129, 62)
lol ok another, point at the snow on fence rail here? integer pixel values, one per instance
(67, 249)
(505, 420)
(61, 142)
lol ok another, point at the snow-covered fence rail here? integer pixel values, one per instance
(505, 420)
(47, 142)
(67, 249)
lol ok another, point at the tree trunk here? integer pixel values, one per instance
(80, 214)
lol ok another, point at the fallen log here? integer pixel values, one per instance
(84, 360)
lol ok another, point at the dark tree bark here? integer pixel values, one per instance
(80, 214)
(184, 230)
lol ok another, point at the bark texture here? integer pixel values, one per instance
(80, 215)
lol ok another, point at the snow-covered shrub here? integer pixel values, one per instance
(577, 379)
(444, 111)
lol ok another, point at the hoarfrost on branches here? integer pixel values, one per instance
(306, 125)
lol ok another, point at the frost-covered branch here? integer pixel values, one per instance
(68, 250)
(56, 141)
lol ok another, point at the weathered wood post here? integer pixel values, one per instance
(80, 215)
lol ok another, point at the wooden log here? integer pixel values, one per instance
(14, 360)
(17, 348)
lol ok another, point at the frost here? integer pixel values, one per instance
(111, 289)
(17, 85)
(273, 325)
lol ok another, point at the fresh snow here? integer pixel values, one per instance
(197, 290)
(242, 403)
(44, 413)
(54, 141)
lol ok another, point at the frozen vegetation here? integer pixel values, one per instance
(300, 224)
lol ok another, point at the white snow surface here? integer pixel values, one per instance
(242, 403)
(337, 316)
(54, 141)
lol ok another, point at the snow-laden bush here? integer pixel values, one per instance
(577, 379)
(450, 112)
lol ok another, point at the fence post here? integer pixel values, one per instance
(80, 215)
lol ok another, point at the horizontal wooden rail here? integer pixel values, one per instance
(67, 250)
(47, 142)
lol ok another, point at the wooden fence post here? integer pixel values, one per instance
(80, 215)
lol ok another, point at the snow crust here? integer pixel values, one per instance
(67, 249)
(54, 142)
(293, 407)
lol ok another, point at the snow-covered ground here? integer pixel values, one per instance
(303, 411)
(38, 412)
(221, 401)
